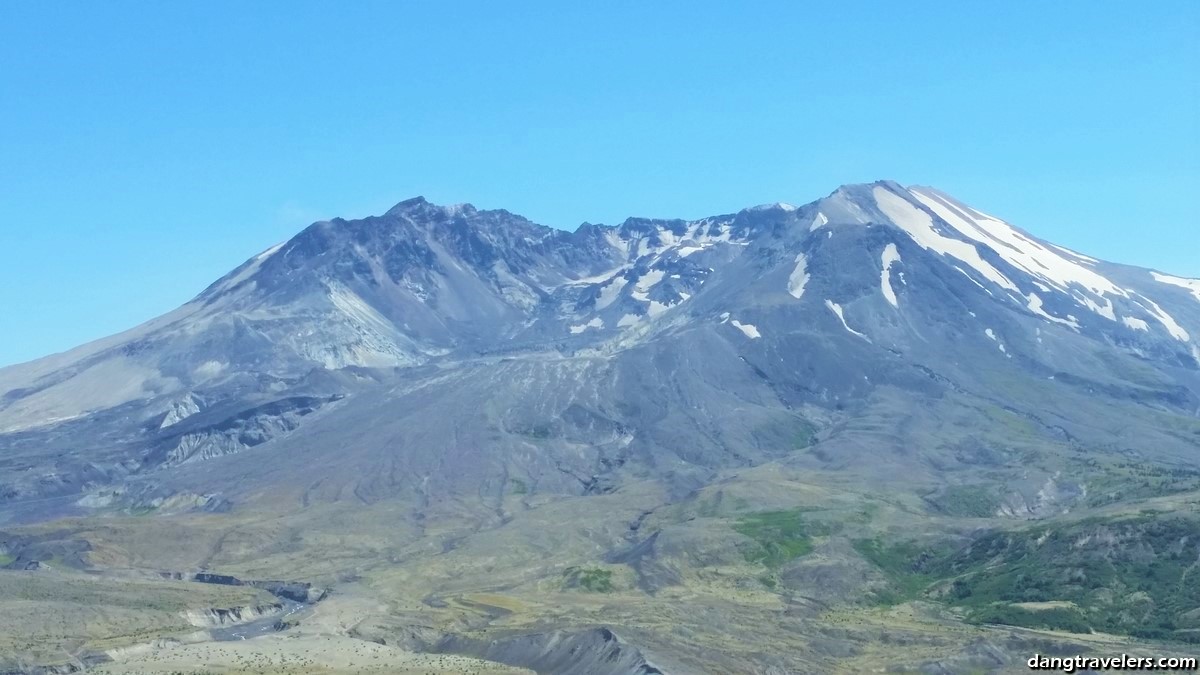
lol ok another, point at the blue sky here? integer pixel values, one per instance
(147, 148)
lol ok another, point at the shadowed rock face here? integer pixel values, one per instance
(433, 353)
(593, 652)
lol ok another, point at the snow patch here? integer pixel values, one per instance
(645, 283)
(1165, 319)
(610, 292)
(1136, 324)
(992, 336)
(818, 222)
(1060, 268)
(749, 329)
(655, 308)
(799, 277)
(1191, 285)
(594, 323)
(918, 225)
(890, 256)
(628, 320)
(837, 309)
(1035, 306)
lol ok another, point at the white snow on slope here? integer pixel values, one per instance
(920, 227)
(598, 278)
(992, 336)
(890, 255)
(645, 283)
(1017, 249)
(799, 277)
(1191, 285)
(837, 309)
(628, 320)
(610, 292)
(1106, 310)
(1165, 319)
(655, 308)
(818, 222)
(750, 331)
(613, 237)
(698, 236)
(1035, 306)
(1136, 324)
(594, 323)
(1051, 265)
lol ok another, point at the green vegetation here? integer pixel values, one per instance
(591, 579)
(518, 486)
(906, 566)
(1129, 480)
(1054, 618)
(779, 537)
(1127, 576)
(6, 559)
(1117, 575)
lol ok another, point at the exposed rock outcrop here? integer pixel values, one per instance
(591, 652)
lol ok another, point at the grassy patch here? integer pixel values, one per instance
(591, 579)
(779, 537)
(6, 559)
(518, 486)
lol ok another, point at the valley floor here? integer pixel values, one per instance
(765, 570)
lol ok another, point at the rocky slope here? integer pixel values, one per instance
(487, 349)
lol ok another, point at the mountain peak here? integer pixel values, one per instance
(408, 205)
(420, 205)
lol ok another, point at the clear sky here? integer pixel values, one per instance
(147, 148)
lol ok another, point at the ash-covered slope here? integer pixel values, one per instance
(440, 353)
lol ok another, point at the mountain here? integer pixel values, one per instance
(660, 398)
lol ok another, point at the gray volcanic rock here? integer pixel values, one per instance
(594, 652)
(445, 353)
